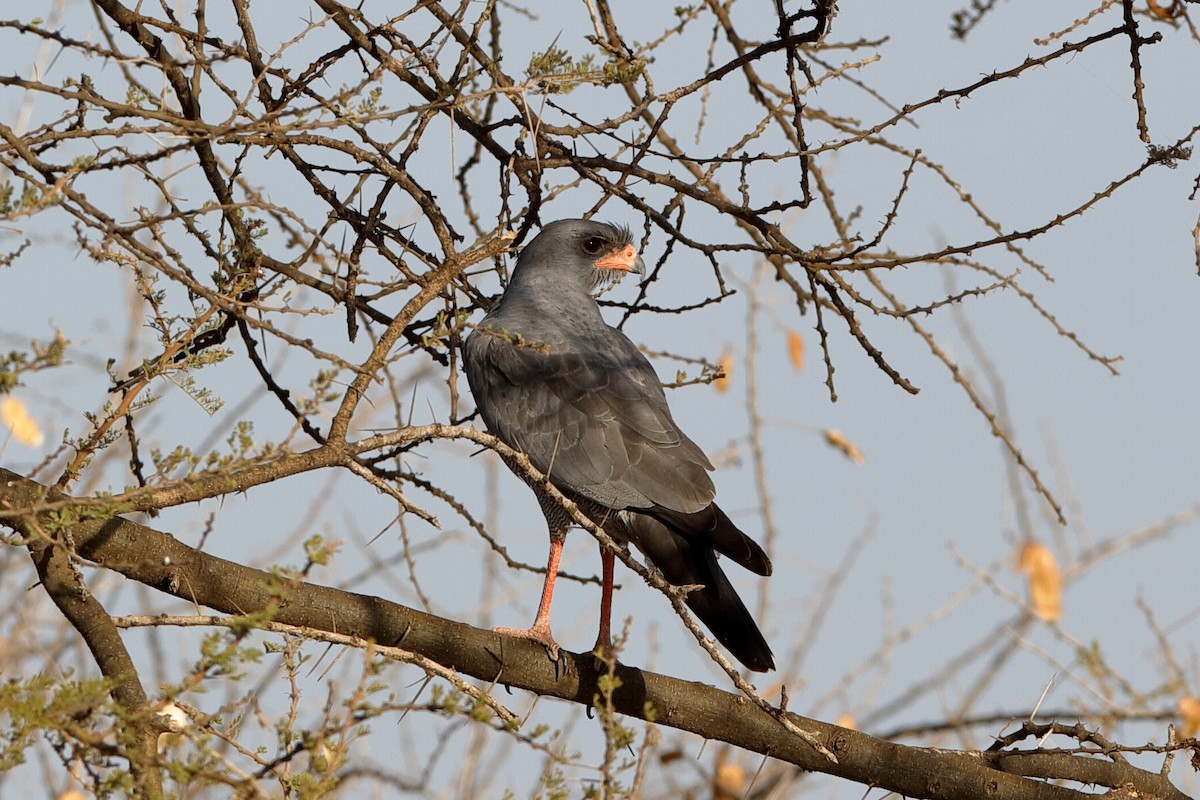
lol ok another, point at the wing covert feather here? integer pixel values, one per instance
(595, 419)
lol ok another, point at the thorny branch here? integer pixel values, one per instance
(282, 178)
(165, 563)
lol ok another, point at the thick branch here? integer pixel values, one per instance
(62, 582)
(159, 560)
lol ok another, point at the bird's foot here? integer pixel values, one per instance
(538, 634)
(604, 654)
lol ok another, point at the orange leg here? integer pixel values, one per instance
(604, 637)
(540, 630)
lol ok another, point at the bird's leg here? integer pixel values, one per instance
(540, 630)
(604, 637)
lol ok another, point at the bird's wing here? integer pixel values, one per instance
(592, 415)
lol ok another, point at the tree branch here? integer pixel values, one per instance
(161, 561)
(50, 551)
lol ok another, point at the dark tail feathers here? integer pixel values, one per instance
(713, 528)
(687, 559)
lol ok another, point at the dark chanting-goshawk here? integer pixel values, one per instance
(551, 379)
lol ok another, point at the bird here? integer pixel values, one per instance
(551, 379)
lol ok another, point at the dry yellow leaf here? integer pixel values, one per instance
(838, 439)
(1045, 581)
(1189, 709)
(847, 721)
(1166, 14)
(726, 365)
(24, 427)
(670, 756)
(730, 781)
(796, 349)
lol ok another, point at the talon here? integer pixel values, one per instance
(535, 634)
(604, 654)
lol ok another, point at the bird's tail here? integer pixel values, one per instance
(684, 561)
(714, 529)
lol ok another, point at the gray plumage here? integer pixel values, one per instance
(553, 380)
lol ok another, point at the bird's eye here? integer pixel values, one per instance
(593, 245)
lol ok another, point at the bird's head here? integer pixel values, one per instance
(591, 256)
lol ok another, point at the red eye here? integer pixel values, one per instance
(593, 245)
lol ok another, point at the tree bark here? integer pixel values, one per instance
(161, 561)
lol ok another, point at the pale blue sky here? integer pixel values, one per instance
(1124, 280)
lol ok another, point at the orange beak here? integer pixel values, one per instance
(624, 259)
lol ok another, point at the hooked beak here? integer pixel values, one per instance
(622, 259)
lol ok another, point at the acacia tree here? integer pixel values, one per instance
(308, 208)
